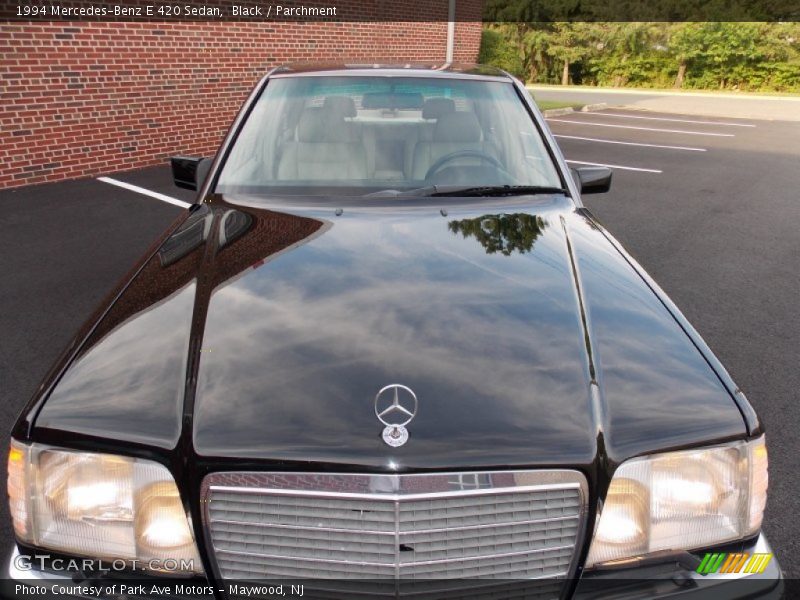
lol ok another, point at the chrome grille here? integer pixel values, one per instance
(496, 525)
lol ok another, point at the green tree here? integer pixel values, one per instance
(731, 50)
(629, 53)
(570, 43)
(498, 49)
(720, 54)
(534, 43)
(686, 44)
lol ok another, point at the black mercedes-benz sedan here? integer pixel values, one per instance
(388, 353)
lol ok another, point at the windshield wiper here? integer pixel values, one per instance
(461, 190)
(496, 190)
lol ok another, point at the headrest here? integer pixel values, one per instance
(343, 106)
(457, 127)
(311, 126)
(318, 125)
(434, 108)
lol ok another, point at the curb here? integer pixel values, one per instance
(593, 107)
(557, 112)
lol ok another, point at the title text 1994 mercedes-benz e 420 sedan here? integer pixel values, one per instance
(389, 352)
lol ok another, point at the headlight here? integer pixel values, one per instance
(99, 505)
(682, 501)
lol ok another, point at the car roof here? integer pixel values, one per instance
(442, 70)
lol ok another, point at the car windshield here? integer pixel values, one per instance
(353, 135)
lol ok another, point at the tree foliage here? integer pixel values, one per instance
(503, 233)
(698, 55)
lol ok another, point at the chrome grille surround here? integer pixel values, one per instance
(513, 525)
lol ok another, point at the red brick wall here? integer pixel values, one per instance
(82, 99)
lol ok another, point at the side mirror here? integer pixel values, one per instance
(189, 172)
(592, 180)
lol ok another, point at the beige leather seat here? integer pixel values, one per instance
(323, 148)
(432, 110)
(388, 150)
(454, 132)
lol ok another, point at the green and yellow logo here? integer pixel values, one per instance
(723, 562)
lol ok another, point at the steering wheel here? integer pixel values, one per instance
(437, 166)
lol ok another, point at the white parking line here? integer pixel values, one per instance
(145, 192)
(586, 139)
(643, 128)
(594, 164)
(608, 114)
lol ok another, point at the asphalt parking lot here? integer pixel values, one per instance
(710, 207)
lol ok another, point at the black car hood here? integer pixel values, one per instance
(527, 338)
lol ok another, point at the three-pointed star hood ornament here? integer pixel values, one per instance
(395, 406)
